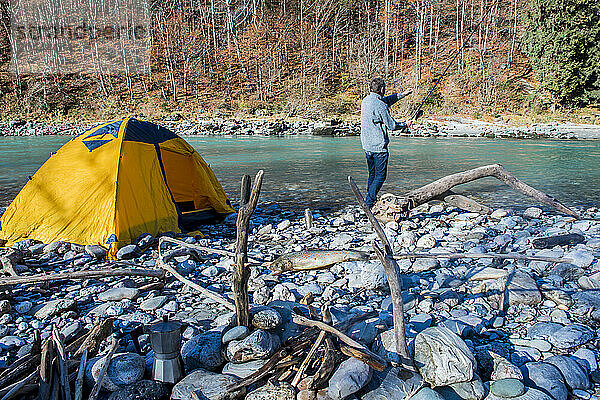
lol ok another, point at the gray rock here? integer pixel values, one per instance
(242, 370)
(153, 303)
(532, 212)
(203, 351)
(571, 336)
(124, 369)
(425, 264)
(11, 342)
(522, 289)
(259, 345)
(128, 252)
(542, 330)
(273, 391)
(54, 307)
(96, 251)
(427, 394)
(473, 390)
(567, 271)
(118, 294)
(586, 358)
(235, 333)
(546, 378)
(443, 358)
(5, 307)
(266, 318)
(71, 330)
(385, 346)
(364, 331)
(507, 388)
(575, 376)
(368, 275)
(207, 385)
(146, 390)
(351, 376)
(530, 394)
(387, 385)
(23, 307)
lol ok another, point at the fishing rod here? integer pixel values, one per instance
(418, 112)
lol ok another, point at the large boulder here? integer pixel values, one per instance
(443, 358)
(576, 377)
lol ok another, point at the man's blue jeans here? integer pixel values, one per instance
(377, 163)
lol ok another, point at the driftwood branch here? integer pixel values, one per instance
(241, 273)
(88, 274)
(62, 363)
(395, 207)
(377, 362)
(509, 256)
(98, 385)
(80, 375)
(392, 271)
(203, 248)
(208, 293)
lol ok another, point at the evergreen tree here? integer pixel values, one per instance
(563, 41)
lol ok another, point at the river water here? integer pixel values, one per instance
(311, 171)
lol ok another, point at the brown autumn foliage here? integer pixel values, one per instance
(301, 57)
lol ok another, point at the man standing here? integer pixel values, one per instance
(375, 122)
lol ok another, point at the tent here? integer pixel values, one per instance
(112, 183)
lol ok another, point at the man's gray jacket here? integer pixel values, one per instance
(376, 121)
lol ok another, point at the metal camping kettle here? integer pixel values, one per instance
(165, 339)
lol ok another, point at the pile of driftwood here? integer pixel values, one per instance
(52, 367)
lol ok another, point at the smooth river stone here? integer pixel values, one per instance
(542, 330)
(507, 388)
(259, 345)
(243, 370)
(351, 376)
(427, 394)
(54, 307)
(576, 377)
(203, 351)
(146, 390)
(207, 385)
(153, 303)
(124, 369)
(539, 344)
(387, 385)
(266, 319)
(443, 358)
(235, 333)
(571, 336)
(545, 377)
(530, 394)
(473, 390)
(118, 294)
(279, 391)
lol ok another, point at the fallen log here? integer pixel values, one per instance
(392, 207)
(557, 240)
(87, 274)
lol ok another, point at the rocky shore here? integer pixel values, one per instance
(477, 328)
(433, 127)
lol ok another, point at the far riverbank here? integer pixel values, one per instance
(427, 127)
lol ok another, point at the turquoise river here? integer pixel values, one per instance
(310, 171)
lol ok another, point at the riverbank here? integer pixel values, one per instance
(478, 326)
(426, 127)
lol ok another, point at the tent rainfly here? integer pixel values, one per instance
(112, 183)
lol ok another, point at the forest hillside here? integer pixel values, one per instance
(314, 59)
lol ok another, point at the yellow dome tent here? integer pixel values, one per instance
(112, 183)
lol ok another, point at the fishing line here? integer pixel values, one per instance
(457, 52)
